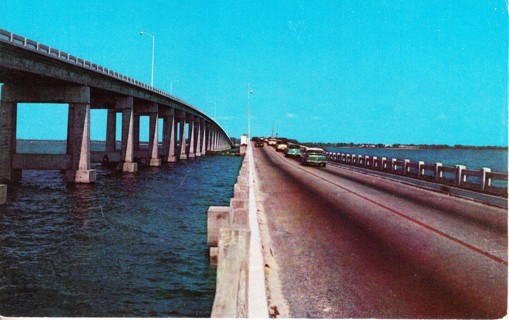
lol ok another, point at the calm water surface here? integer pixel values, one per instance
(496, 160)
(128, 245)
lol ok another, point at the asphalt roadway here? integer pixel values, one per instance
(354, 245)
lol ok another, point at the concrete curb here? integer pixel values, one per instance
(233, 236)
(257, 295)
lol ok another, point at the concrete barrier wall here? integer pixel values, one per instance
(231, 300)
(230, 235)
(479, 180)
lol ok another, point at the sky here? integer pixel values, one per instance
(386, 71)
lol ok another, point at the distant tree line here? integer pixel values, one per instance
(381, 145)
(401, 146)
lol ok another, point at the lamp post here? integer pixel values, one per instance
(153, 43)
(249, 92)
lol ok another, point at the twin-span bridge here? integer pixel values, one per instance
(32, 72)
(336, 242)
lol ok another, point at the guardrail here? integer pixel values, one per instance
(230, 238)
(18, 40)
(482, 180)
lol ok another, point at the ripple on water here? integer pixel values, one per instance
(127, 245)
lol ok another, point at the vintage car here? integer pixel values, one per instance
(281, 146)
(293, 151)
(259, 143)
(313, 156)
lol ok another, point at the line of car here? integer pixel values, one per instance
(306, 155)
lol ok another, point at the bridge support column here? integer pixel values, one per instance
(191, 137)
(219, 141)
(204, 138)
(79, 142)
(153, 141)
(182, 124)
(111, 129)
(209, 138)
(8, 114)
(212, 139)
(169, 137)
(136, 133)
(198, 137)
(216, 140)
(78, 170)
(127, 149)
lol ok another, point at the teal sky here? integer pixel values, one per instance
(384, 71)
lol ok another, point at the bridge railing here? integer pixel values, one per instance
(20, 41)
(483, 180)
(234, 241)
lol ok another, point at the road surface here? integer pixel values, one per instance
(350, 245)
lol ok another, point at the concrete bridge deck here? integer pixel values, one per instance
(33, 73)
(348, 244)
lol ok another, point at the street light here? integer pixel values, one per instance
(249, 92)
(153, 42)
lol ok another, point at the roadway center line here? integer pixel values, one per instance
(428, 227)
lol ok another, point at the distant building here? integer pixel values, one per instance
(243, 140)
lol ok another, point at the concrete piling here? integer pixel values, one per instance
(155, 161)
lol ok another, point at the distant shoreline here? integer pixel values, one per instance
(350, 145)
(60, 140)
(56, 140)
(405, 146)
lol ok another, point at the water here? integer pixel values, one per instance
(59, 147)
(473, 159)
(128, 245)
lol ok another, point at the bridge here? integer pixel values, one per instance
(36, 73)
(329, 243)
(339, 242)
